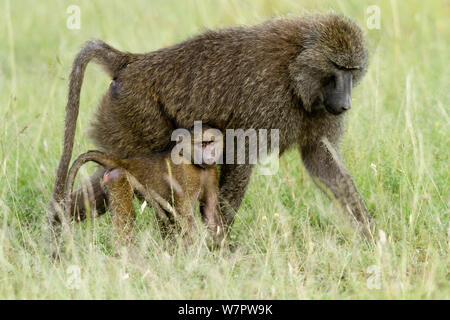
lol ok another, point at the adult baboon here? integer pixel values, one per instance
(294, 75)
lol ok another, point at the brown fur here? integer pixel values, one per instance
(268, 76)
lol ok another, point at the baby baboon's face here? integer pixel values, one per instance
(208, 147)
(202, 146)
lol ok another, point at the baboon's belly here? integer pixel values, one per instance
(124, 133)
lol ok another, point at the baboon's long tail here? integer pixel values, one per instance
(105, 160)
(112, 60)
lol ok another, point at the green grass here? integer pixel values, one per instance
(292, 242)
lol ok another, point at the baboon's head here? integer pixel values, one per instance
(202, 146)
(333, 59)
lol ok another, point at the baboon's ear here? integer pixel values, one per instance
(302, 82)
(304, 87)
(305, 103)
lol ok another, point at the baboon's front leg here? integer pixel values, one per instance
(323, 163)
(120, 205)
(233, 183)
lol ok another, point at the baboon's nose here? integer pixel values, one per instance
(347, 104)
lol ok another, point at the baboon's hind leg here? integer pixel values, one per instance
(90, 196)
(120, 205)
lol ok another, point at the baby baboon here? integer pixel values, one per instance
(170, 181)
(294, 75)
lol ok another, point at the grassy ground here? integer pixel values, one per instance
(292, 242)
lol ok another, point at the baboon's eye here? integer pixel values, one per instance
(330, 80)
(344, 68)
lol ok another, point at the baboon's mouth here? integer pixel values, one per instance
(332, 110)
(318, 105)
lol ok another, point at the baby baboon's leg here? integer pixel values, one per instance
(120, 205)
(165, 213)
(211, 214)
(166, 226)
(96, 197)
(185, 220)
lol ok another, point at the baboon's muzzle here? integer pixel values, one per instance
(338, 93)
